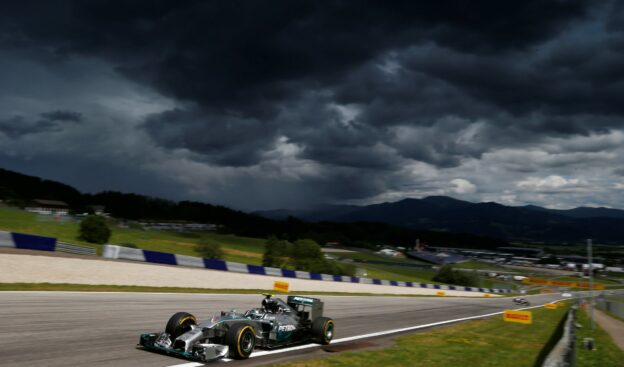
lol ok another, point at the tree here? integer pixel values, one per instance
(447, 275)
(94, 229)
(306, 255)
(276, 252)
(209, 249)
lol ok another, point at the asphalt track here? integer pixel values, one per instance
(102, 329)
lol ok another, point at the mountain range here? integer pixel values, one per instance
(440, 213)
(438, 219)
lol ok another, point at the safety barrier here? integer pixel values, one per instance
(127, 253)
(27, 241)
(75, 249)
(561, 348)
(41, 243)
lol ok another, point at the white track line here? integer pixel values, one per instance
(372, 335)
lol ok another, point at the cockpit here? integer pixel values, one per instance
(275, 305)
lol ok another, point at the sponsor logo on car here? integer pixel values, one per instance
(303, 299)
(287, 328)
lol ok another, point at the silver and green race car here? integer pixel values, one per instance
(230, 333)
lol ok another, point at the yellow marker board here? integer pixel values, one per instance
(441, 293)
(280, 286)
(487, 295)
(551, 306)
(522, 317)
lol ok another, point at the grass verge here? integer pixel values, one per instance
(606, 354)
(67, 287)
(488, 342)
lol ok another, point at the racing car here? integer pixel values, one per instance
(521, 301)
(230, 333)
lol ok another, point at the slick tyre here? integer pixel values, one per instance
(241, 339)
(323, 330)
(179, 324)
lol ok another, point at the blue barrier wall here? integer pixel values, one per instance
(27, 241)
(119, 252)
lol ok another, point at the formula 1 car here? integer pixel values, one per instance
(229, 333)
(521, 301)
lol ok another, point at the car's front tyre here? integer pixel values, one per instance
(179, 324)
(241, 340)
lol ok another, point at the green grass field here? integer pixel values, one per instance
(613, 274)
(489, 342)
(397, 273)
(240, 249)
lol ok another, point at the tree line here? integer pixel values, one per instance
(17, 189)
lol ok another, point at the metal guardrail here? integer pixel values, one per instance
(563, 354)
(616, 308)
(75, 249)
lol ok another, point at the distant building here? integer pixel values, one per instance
(179, 226)
(48, 207)
(99, 210)
(389, 252)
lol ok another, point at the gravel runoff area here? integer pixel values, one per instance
(46, 269)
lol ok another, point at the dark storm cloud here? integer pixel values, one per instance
(62, 115)
(223, 139)
(343, 98)
(17, 126)
(521, 83)
(246, 54)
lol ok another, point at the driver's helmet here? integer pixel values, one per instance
(254, 314)
(270, 306)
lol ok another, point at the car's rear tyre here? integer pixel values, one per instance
(179, 324)
(241, 339)
(323, 330)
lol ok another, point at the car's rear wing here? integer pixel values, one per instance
(307, 307)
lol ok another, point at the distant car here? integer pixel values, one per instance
(276, 324)
(566, 294)
(521, 301)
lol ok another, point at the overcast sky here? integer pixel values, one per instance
(287, 104)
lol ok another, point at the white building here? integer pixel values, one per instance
(48, 207)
